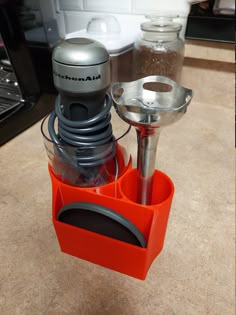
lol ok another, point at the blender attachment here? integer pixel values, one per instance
(102, 220)
(83, 139)
(140, 105)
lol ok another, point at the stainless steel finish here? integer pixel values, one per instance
(81, 74)
(149, 110)
(147, 147)
(86, 79)
(80, 65)
(80, 52)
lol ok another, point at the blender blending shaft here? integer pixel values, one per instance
(147, 146)
(148, 110)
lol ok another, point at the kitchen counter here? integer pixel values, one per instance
(195, 272)
(208, 50)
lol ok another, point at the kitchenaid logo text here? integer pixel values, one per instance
(67, 77)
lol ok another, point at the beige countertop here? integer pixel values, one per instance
(195, 272)
(199, 49)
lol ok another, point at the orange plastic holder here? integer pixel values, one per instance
(119, 196)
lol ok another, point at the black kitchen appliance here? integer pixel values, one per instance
(27, 37)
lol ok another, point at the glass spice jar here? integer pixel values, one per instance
(159, 50)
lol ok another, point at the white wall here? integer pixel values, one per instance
(77, 13)
(73, 15)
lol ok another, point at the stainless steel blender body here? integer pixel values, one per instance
(139, 104)
(81, 74)
(80, 126)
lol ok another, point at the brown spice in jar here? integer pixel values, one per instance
(147, 61)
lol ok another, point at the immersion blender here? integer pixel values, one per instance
(84, 139)
(141, 106)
